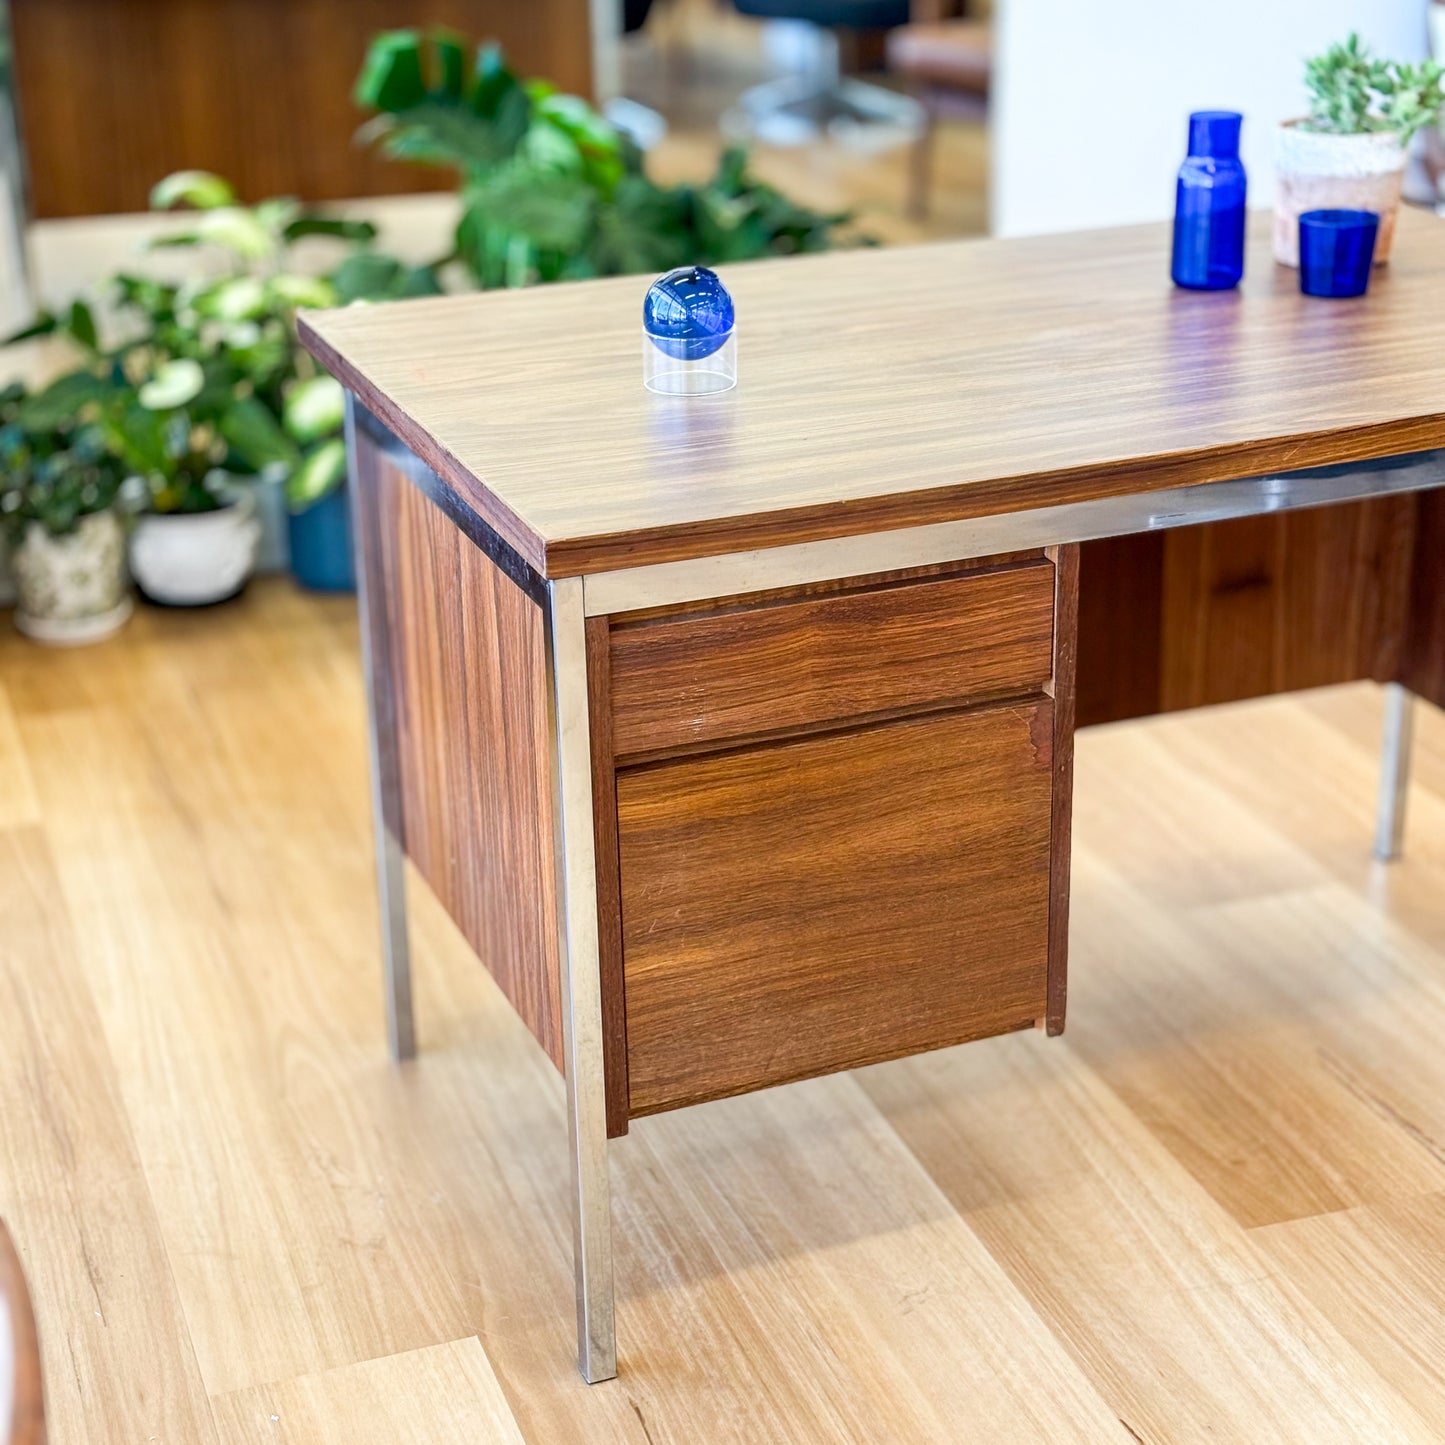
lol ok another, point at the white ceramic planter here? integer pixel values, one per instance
(1320, 172)
(72, 589)
(191, 559)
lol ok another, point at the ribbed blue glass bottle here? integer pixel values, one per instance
(1209, 205)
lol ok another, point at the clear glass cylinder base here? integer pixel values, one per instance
(673, 368)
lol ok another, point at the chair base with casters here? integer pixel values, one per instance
(822, 103)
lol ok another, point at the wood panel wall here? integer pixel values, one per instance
(467, 658)
(114, 94)
(1245, 608)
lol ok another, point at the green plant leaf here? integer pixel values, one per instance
(200, 189)
(450, 71)
(239, 298)
(80, 323)
(321, 471)
(138, 437)
(553, 212)
(45, 324)
(391, 76)
(238, 230)
(344, 228)
(292, 290)
(254, 436)
(314, 408)
(59, 405)
(173, 385)
(366, 276)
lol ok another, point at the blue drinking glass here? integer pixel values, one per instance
(1209, 205)
(1336, 251)
(688, 313)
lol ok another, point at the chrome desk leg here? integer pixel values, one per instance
(581, 986)
(1394, 771)
(381, 730)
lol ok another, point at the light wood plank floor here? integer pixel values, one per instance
(1213, 1211)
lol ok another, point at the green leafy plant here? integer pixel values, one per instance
(54, 468)
(550, 191)
(206, 384)
(1353, 92)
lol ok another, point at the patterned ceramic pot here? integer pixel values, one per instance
(72, 589)
(191, 559)
(1326, 172)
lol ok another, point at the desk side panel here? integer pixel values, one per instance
(1423, 666)
(468, 665)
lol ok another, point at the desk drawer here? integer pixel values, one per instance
(776, 667)
(797, 907)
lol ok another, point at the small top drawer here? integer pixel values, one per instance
(783, 665)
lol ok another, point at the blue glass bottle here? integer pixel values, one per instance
(1209, 205)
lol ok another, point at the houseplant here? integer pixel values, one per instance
(1350, 150)
(59, 492)
(550, 190)
(207, 393)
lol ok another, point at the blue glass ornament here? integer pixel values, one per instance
(688, 313)
(1209, 205)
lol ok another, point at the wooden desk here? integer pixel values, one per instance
(736, 732)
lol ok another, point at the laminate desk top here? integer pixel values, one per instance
(893, 388)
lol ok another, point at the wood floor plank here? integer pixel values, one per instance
(1016, 1240)
(1377, 1273)
(1155, 1290)
(115, 1351)
(441, 1393)
(18, 806)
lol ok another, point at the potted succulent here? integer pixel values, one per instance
(59, 491)
(1350, 150)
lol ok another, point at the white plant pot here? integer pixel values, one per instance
(1324, 172)
(191, 559)
(72, 589)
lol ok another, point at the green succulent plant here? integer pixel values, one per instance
(1353, 92)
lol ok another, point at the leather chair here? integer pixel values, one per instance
(22, 1416)
(949, 65)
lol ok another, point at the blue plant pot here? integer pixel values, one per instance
(321, 544)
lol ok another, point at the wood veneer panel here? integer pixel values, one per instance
(795, 908)
(786, 665)
(944, 382)
(1422, 667)
(1279, 602)
(1121, 592)
(114, 94)
(1061, 821)
(468, 662)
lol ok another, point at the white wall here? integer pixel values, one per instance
(1092, 97)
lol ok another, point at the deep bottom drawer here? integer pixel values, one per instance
(795, 908)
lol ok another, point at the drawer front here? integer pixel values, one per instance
(798, 907)
(786, 666)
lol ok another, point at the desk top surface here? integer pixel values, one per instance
(893, 388)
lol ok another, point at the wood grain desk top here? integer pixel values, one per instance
(894, 388)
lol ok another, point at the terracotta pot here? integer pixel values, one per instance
(1318, 172)
(72, 588)
(191, 559)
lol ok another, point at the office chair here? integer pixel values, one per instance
(798, 109)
